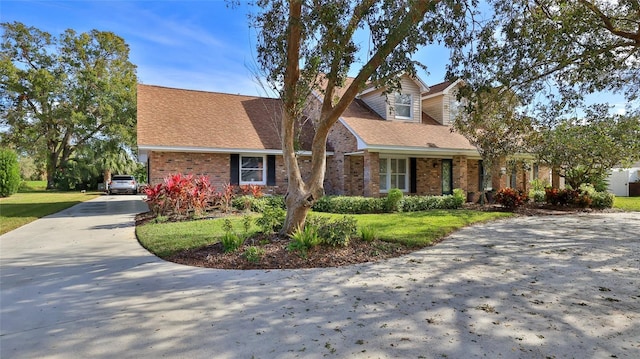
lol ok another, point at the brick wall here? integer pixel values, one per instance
(355, 181)
(338, 178)
(428, 176)
(460, 172)
(214, 165)
(371, 174)
(473, 175)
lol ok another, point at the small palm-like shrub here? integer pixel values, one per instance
(304, 239)
(368, 234)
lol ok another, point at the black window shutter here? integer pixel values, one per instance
(271, 170)
(235, 169)
(413, 174)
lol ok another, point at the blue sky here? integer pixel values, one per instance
(202, 45)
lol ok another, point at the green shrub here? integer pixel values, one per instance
(393, 201)
(421, 203)
(9, 172)
(350, 205)
(249, 202)
(537, 196)
(272, 219)
(336, 232)
(539, 185)
(450, 202)
(304, 239)
(368, 234)
(253, 254)
(601, 200)
(459, 197)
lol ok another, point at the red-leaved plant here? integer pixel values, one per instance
(252, 189)
(511, 198)
(181, 195)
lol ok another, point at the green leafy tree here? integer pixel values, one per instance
(491, 121)
(9, 172)
(552, 53)
(58, 95)
(585, 150)
(306, 47)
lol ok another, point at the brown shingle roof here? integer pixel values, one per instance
(186, 118)
(438, 87)
(171, 117)
(378, 132)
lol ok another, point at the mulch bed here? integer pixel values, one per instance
(276, 255)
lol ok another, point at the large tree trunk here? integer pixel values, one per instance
(52, 165)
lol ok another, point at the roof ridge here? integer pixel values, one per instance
(208, 92)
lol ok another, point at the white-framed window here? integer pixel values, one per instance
(393, 174)
(403, 107)
(253, 170)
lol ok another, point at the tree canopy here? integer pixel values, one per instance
(584, 150)
(310, 46)
(61, 94)
(553, 53)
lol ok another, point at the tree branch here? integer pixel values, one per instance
(606, 21)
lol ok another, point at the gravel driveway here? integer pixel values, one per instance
(78, 285)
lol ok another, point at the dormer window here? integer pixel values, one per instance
(403, 106)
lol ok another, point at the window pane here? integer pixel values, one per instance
(402, 166)
(403, 111)
(404, 99)
(251, 176)
(394, 165)
(383, 165)
(251, 162)
(401, 182)
(402, 105)
(383, 182)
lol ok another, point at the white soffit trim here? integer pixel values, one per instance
(145, 149)
(425, 151)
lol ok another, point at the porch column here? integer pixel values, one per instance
(371, 174)
(346, 176)
(498, 178)
(460, 173)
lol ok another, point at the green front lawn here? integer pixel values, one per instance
(627, 203)
(35, 202)
(416, 229)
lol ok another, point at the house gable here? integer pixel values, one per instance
(385, 104)
(440, 101)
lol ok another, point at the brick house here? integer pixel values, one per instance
(403, 140)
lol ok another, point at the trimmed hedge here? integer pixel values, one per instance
(370, 205)
(249, 202)
(9, 172)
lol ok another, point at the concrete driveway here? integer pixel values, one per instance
(77, 285)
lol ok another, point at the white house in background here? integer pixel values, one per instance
(620, 178)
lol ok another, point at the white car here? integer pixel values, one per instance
(123, 184)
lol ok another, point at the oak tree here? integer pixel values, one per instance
(306, 48)
(60, 94)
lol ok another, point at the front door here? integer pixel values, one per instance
(447, 176)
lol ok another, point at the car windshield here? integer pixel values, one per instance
(122, 178)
